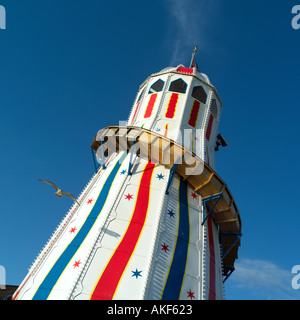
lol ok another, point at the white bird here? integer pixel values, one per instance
(59, 192)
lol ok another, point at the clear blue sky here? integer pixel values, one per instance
(69, 68)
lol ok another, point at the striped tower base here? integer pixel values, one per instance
(129, 240)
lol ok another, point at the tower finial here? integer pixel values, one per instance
(193, 63)
(193, 57)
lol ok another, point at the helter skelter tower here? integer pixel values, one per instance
(155, 221)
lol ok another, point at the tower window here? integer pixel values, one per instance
(140, 96)
(199, 94)
(214, 108)
(178, 86)
(157, 86)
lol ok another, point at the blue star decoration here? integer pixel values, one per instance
(160, 176)
(123, 172)
(171, 213)
(136, 273)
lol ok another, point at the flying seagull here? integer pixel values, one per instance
(59, 192)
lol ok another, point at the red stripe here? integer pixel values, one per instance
(185, 70)
(111, 276)
(212, 262)
(194, 113)
(150, 106)
(166, 130)
(172, 105)
(136, 109)
(210, 123)
(20, 288)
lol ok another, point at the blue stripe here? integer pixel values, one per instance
(52, 277)
(177, 269)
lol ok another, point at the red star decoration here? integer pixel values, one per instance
(76, 264)
(90, 201)
(191, 294)
(164, 247)
(73, 230)
(194, 195)
(129, 196)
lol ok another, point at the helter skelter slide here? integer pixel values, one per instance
(155, 221)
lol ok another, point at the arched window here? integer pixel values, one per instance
(178, 86)
(199, 94)
(157, 86)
